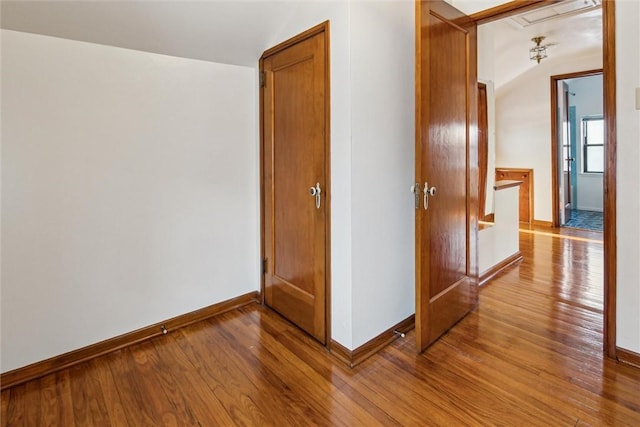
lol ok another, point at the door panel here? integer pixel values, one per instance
(295, 160)
(483, 148)
(573, 137)
(447, 159)
(567, 154)
(564, 154)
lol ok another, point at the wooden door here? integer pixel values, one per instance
(564, 144)
(525, 195)
(447, 160)
(483, 148)
(568, 157)
(295, 169)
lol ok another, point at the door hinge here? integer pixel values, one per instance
(262, 79)
(264, 266)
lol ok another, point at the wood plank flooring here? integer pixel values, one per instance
(530, 355)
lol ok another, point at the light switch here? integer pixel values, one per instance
(638, 98)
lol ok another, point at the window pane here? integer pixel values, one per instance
(595, 132)
(595, 159)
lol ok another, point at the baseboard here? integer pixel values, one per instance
(340, 352)
(66, 360)
(498, 268)
(539, 223)
(371, 347)
(628, 357)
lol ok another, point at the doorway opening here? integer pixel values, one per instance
(607, 19)
(578, 147)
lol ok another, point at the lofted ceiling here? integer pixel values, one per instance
(238, 31)
(572, 28)
(568, 37)
(226, 31)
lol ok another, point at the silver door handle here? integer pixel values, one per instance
(427, 191)
(315, 192)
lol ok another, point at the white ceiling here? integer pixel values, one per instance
(238, 31)
(226, 31)
(569, 37)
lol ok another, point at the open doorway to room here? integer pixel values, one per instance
(522, 126)
(578, 147)
(519, 121)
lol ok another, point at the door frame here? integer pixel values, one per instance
(555, 144)
(322, 28)
(609, 178)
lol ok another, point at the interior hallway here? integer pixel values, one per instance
(531, 354)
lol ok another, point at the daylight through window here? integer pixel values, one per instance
(593, 144)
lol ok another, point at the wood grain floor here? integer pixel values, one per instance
(530, 355)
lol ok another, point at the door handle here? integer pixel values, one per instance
(315, 192)
(427, 191)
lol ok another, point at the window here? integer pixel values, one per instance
(593, 144)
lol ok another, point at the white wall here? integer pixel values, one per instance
(628, 176)
(502, 240)
(523, 123)
(382, 166)
(129, 191)
(588, 101)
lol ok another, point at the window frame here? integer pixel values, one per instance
(585, 145)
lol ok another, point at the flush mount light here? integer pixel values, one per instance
(538, 52)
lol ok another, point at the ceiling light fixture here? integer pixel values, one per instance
(538, 52)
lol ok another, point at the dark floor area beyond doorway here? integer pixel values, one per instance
(587, 220)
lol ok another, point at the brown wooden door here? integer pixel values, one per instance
(295, 160)
(483, 148)
(567, 155)
(446, 158)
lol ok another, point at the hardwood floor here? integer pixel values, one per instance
(531, 354)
